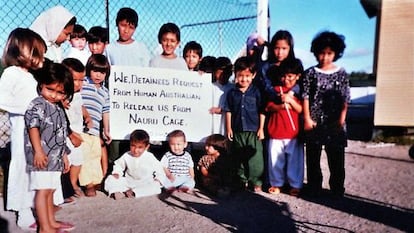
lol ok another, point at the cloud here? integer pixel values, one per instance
(358, 52)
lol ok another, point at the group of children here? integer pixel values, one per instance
(59, 114)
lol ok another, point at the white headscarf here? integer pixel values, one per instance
(49, 24)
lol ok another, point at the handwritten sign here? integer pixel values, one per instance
(159, 101)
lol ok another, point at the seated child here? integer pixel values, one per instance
(214, 166)
(136, 172)
(178, 164)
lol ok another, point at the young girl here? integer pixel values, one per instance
(222, 72)
(55, 26)
(214, 165)
(281, 48)
(23, 51)
(45, 142)
(95, 98)
(326, 94)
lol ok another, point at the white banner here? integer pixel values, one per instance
(159, 101)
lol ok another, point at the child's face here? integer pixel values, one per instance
(281, 50)
(78, 43)
(177, 145)
(289, 80)
(125, 31)
(78, 78)
(97, 47)
(64, 35)
(244, 78)
(192, 59)
(169, 43)
(53, 92)
(137, 148)
(97, 77)
(210, 150)
(326, 57)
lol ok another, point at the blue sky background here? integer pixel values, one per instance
(305, 18)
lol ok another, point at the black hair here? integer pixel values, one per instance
(193, 46)
(72, 21)
(331, 40)
(169, 28)
(52, 72)
(78, 32)
(139, 135)
(97, 34)
(73, 64)
(98, 62)
(291, 67)
(129, 14)
(281, 35)
(224, 63)
(219, 142)
(243, 63)
(207, 64)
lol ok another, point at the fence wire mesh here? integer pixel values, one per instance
(220, 26)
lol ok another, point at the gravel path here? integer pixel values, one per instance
(379, 198)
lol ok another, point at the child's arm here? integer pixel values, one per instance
(169, 174)
(192, 172)
(260, 131)
(203, 171)
(40, 159)
(87, 118)
(308, 122)
(105, 119)
(272, 107)
(215, 110)
(66, 164)
(228, 126)
(343, 115)
(290, 99)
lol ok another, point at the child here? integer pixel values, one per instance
(222, 72)
(78, 117)
(280, 49)
(45, 142)
(97, 39)
(244, 124)
(96, 100)
(326, 95)
(127, 51)
(178, 164)
(284, 148)
(214, 165)
(136, 172)
(78, 43)
(192, 53)
(169, 38)
(55, 26)
(24, 50)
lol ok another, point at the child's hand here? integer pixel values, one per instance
(107, 137)
(75, 139)
(66, 164)
(230, 134)
(215, 110)
(88, 122)
(116, 175)
(260, 134)
(66, 104)
(309, 124)
(40, 160)
(287, 98)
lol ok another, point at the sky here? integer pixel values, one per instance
(305, 18)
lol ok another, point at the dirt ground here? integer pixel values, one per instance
(379, 198)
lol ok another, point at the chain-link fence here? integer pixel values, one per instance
(220, 26)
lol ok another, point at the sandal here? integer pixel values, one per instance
(294, 192)
(274, 190)
(129, 193)
(78, 193)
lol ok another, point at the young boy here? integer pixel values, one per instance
(97, 39)
(169, 38)
(136, 172)
(178, 164)
(244, 124)
(192, 53)
(286, 162)
(126, 51)
(78, 43)
(95, 97)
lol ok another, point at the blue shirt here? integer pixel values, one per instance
(245, 109)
